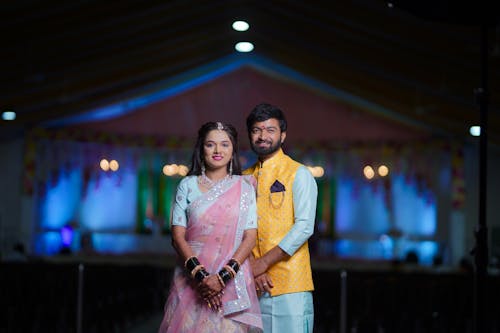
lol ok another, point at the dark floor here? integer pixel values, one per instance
(148, 325)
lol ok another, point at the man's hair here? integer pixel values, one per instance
(263, 112)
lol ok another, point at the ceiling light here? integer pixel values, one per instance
(8, 115)
(244, 47)
(240, 26)
(475, 130)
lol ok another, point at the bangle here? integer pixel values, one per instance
(221, 281)
(191, 263)
(230, 270)
(196, 269)
(234, 264)
(201, 274)
(225, 275)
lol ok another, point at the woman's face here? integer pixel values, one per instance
(217, 150)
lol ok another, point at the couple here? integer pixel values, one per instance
(242, 240)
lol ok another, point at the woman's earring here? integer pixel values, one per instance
(231, 167)
(203, 168)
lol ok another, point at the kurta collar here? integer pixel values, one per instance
(273, 161)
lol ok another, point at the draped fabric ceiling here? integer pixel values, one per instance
(313, 118)
(357, 70)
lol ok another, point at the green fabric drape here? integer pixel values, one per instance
(325, 211)
(155, 197)
(147, 197)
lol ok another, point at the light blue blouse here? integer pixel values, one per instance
(188, 191)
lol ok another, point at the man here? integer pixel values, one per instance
(286, 209)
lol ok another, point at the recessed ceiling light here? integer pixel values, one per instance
(475, 130)
(240, 26)
(8, 115)
(244, 47)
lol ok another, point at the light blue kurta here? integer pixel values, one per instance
(294, 312)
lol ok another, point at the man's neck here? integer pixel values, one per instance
(263, 158)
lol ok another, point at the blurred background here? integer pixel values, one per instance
(394, 107)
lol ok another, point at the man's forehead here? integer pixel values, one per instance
(272, 122)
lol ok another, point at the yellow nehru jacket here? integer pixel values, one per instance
(276, 218)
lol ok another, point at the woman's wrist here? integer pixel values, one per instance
(229, 270)
(195, 269)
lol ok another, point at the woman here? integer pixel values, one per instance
(213, 231)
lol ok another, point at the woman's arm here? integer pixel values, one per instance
(246, 246)
(180, 243)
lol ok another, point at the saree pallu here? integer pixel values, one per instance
(216, 223)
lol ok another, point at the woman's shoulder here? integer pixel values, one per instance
(188, 181)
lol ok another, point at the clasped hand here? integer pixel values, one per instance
(211, 290)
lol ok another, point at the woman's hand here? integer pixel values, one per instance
(215, 302)
(211, 290)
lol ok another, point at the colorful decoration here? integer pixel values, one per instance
(49, 154)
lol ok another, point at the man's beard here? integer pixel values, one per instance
(263, 151)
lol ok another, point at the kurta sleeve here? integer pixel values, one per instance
(305, 194)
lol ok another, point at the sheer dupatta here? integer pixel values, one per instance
(216, 222)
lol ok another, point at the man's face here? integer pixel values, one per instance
(266, 137)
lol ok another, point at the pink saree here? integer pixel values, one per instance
(216, 222)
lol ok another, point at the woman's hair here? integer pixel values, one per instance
(263, 112)
(197, 158)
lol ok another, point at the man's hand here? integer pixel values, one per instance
(259, 266)
(263, 283)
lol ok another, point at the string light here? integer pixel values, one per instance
(383, 170)
(113, 165)
(316, 171)
(368, 172)
(104, 164)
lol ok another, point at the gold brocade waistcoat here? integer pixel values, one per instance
(275, 219)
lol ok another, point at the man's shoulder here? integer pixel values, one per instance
(291, 162)
(250, 170)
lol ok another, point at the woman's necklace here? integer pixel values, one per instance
(208, 183)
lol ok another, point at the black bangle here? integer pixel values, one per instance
(201, 274)
(191, 263)
(234, 265)
(225, 275)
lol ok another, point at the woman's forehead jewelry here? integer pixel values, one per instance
(220, 127)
